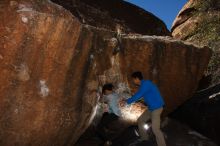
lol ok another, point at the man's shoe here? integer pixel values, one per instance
(108, 143)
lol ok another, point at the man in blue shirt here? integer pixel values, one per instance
(155, 103)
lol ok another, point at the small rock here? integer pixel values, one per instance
(13, 3)
(24, 19)
(16, 111)
(91, 56)
(1, 57)
(113, 42)
(44, 90)
(8, 29)
(23, 73)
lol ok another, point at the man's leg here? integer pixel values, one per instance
(155, 117)
(141, 121)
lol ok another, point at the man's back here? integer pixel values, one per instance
(152, 96)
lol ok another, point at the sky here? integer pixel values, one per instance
(166, 10)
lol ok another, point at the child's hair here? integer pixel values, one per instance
(138, 75)
(107, 87)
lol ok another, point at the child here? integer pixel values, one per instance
(111, 99)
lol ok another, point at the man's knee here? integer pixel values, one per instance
(156, 130)
(141, 121)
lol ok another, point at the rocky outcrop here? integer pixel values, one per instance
(52, 67)
(198, 22)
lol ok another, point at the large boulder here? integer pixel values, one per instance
(115, 14)
(52, 66)
(198, 22)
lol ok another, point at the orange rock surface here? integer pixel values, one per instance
(51, 66)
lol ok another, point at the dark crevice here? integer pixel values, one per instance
(202, 113)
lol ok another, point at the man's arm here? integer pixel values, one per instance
(139, 94)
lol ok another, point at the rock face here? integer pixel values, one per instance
(52, 66)
(114, 14)
(198, 22)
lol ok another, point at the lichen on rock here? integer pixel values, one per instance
(201, 26)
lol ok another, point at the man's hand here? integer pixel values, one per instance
(122, 102)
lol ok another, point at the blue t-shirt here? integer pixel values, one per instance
(151, 95)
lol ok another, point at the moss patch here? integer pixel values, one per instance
(205, 5)
(206, 33)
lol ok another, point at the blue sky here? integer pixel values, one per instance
(166, 10)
